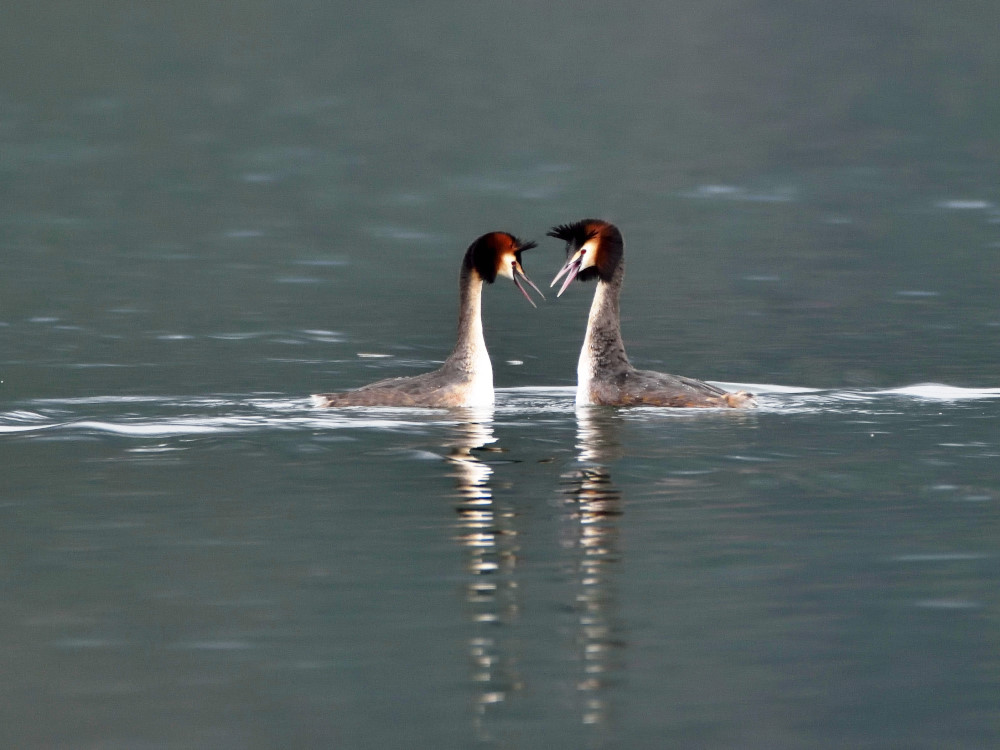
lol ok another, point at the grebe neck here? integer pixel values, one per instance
(603, 352)
(469, 355)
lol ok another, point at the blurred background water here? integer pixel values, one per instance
(212, 210)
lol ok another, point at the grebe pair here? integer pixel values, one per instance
(595, 250)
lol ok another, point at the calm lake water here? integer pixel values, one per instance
(212, 212)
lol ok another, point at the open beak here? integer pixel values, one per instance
(571, 269)
(518, 274)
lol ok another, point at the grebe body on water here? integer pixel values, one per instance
(466, 377)
(595, 250)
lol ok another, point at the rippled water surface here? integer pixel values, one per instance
(822, 567)
(211, 211)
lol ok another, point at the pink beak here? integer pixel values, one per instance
(571, 269)
(518, 273)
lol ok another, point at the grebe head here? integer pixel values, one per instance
(499, 254)
(594, 249)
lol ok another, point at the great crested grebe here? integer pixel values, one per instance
(595, 250)
(466, 377)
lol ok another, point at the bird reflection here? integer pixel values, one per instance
(591, 532)
(488, 535)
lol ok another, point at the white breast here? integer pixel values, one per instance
(584, 376)
(480, 390)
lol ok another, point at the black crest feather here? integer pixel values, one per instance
(522, 245)
(577, 233)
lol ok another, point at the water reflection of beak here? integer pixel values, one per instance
(517, 273)
(571, 269)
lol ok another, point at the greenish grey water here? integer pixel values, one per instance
(220, 572)
(211, 212)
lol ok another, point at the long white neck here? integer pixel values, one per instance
(470, 358)
(603, 352)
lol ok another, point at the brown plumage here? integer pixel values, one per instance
(466, 377)
(595, 250)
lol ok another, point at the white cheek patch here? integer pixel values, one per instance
(505, 267)
(589, 253)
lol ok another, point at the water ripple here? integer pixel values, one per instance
(160, 416)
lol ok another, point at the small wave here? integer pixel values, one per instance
(525, 400)
(737, 193)
(20, 415)
(6, 429)
(934, 557)
(240, 335)
(940, 392)
(946, 604)
(540, 390)
(322, 262)
(964, 205)
(98, 400)
(799, 394)
(405, 234)
(154, 428)
(22, 420)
